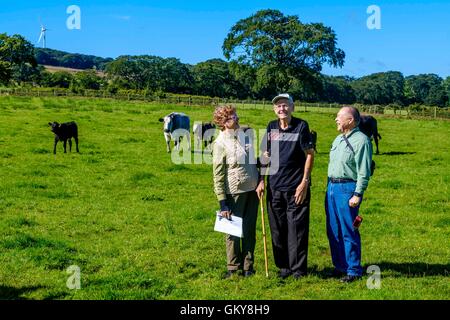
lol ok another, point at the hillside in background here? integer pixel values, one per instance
(53, 69)
(51, 57)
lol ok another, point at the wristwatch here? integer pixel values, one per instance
(357, 194)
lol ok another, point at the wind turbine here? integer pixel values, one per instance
(42, 35)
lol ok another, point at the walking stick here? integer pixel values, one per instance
(266, 263)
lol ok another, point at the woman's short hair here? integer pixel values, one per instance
(222, 114)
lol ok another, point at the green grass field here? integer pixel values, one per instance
(141, 227)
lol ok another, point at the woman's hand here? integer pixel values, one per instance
(226, 214)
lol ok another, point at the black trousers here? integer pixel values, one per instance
(289, 226)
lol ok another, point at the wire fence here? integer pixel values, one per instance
(409, 111)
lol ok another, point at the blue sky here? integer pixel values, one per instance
(414, 36)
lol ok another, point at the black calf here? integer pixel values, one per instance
(368, 125)
(63, 132)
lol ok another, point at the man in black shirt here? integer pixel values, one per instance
(291, 153)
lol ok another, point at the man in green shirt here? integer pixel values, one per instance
(348, 177)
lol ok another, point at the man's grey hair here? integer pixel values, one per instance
(354, 113)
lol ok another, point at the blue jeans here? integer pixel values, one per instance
(345, 241)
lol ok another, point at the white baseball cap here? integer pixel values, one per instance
(283, 96)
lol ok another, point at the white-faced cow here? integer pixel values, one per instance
(368, 126)
(63, 132)
(204, 132)
(176, 125)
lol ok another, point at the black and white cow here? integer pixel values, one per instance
(204, 132)
(176, 125)
(368, 125)
(63, 132)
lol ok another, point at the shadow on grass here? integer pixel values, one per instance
(395, 153)
(414, 269)
(390, 153)
(395, 269)
(322, 273)
(12, 293)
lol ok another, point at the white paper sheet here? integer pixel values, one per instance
(233, 226)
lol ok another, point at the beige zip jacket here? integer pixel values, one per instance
(234, 164)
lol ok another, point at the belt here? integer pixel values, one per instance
(341, 180)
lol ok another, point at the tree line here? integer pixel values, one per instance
(58, 58)
(267, 53)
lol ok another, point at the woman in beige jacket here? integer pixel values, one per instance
(237, 185)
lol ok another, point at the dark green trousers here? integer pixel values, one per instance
(240, 252)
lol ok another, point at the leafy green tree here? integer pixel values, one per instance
(87, 79)
(447, 88)
(53, 57)
(309, 88)
(245, 75)
(5, 72)
(281, 49)
(15, 53)
(59, 79)
(213, 78)
(173, 76)
(380, 88)
(437, 96)
(125, 71)
(27, 73)
(417, 87)
(45, 78)
(337, 89)
(151, 73)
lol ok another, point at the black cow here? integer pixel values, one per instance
(368, 126)
(204, 132)
(63, 132)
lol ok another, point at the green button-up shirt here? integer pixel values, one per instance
(345, 164)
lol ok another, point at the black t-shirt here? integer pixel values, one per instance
(292, 142)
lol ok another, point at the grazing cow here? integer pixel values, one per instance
(204, 132)
(314, 139)
(368, 126)
(176, 125)
(63, 132)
